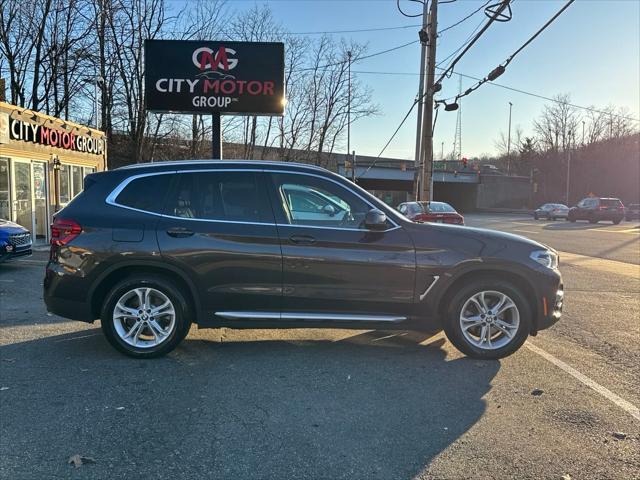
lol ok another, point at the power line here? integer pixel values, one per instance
(406, 14)
(464, 44)
(495, 16)
(415, 102)
(465, 18)
(375, 54)
(507, 87)
(500, 69)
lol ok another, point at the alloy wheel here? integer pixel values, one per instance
(489, 320)
(144, 317)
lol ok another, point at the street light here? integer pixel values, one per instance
(509, 142)
(56, 179)
(96, 80)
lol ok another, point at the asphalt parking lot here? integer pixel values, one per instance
(333, 403)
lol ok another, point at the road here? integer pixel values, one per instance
(335, 404)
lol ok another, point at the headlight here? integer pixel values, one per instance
(545, 257)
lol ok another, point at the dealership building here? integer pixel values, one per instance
(43, 162)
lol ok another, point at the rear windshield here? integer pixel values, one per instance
(440, 207)
(610, 202)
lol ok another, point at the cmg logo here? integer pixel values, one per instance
(206, 59)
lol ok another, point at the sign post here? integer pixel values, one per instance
(216, 136)
(216, 78)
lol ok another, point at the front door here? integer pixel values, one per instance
(333, 265)
(40, 202)
(22, 195)
(218, 226)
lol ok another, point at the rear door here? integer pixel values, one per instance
(218, 225)
(332, 264)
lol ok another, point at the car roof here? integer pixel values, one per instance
(226, 163)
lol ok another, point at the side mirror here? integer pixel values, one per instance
(375, 220)
(329, 210)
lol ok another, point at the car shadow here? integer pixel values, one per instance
(373, 405)
(579, 225)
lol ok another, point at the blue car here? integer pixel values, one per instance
(15, 241)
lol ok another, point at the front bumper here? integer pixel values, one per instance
(14, 252)
(552, 303)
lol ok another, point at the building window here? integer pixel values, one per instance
(5, 205)
(65, 187)
(76, 180)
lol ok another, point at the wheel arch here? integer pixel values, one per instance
(118, 272)
(519, 280)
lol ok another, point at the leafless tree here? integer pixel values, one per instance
(557, 125)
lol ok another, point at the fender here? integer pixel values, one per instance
(160, 264)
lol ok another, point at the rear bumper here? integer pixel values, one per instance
(57, 293)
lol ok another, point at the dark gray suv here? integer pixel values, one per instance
(152, 248)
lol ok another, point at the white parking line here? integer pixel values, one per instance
(628, 407)
(526, 231)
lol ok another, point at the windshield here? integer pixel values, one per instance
(438, 207)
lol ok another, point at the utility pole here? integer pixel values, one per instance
(353, 168)
(509, 142)
(423, 54)
(568, 168)
(426, 155)
(442, 150)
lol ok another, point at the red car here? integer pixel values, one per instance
(439, 212)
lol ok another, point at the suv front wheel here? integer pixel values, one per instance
(145, 317)
(488, 319)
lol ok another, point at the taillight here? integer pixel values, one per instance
(64, 230)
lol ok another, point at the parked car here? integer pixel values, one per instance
(551, 211)
(632, 212)
(15, 241)
(597, 209)
(438, 212)
(149, 249)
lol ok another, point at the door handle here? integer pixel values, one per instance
(178, 232)
(302, 239)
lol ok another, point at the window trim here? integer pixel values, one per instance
(111, 198)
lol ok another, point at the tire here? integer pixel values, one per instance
(593, 220)
(174, 323)
(535, 216)
(453, 323)
(616, 221)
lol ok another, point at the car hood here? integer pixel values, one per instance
(10, 227)
(477, 241)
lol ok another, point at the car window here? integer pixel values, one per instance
(146, 193)
(403, 208)
(220, 196)
(308, 200)
(415, 208)
(611, 202)
(441, 207)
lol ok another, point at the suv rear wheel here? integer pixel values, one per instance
(145, 317)
(488, 319)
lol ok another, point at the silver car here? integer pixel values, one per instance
(551, 211)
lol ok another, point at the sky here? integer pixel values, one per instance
(591, 52)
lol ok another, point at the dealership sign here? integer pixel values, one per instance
(214, 77)
(34, 133)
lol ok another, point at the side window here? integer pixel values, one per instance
(221, 196)
(582, 203)
(403, 209)
(146, 193)
(308, 200)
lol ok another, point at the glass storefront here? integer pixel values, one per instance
(5, 206)
(25, 190)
